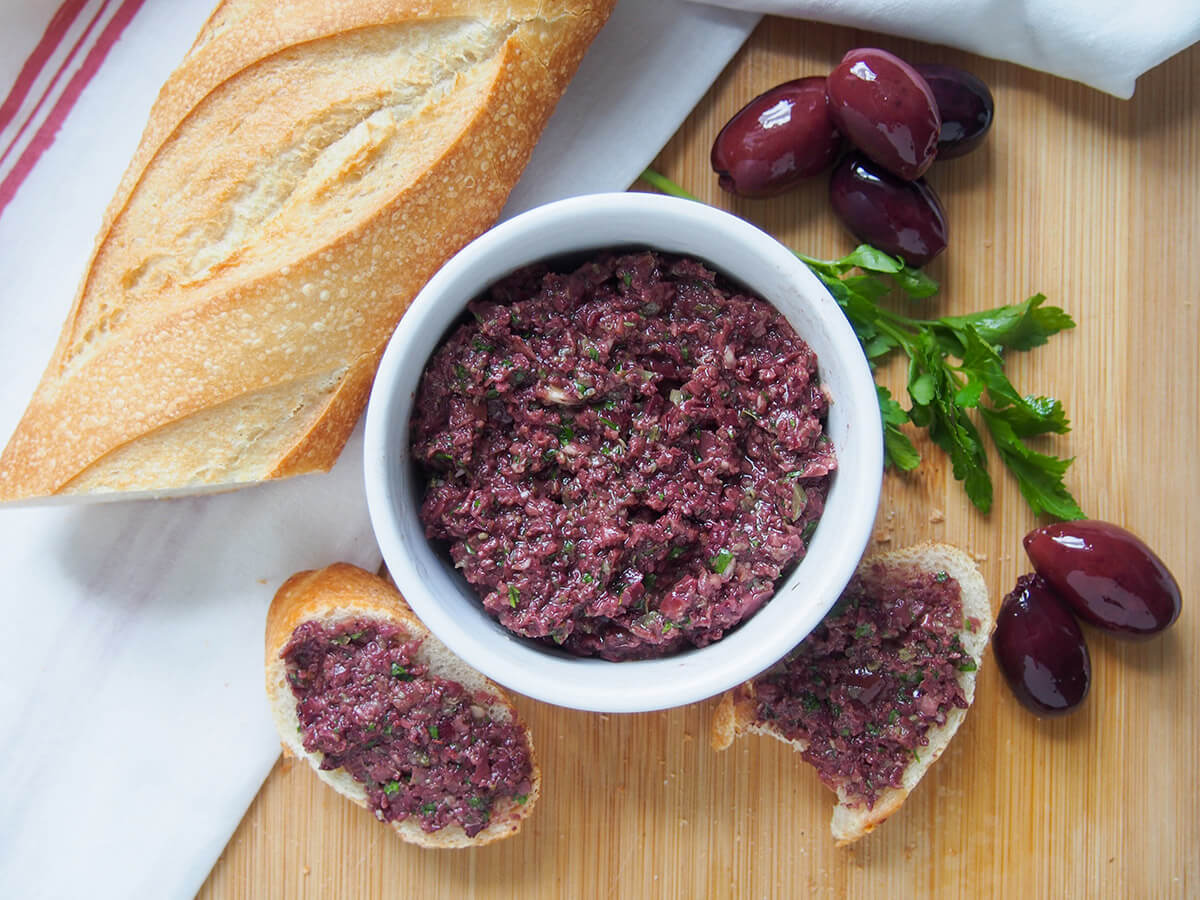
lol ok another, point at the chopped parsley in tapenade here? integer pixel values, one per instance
(422, 746)
(623, 458)
(866, 686)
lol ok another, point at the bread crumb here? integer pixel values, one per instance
(937, 516)
(979, 557)
(883, 537)
(305, 871)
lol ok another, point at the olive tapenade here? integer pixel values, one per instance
(623, 459)
(423, 747)
(864, 689)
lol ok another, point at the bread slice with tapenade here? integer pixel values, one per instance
(351, 669)
(793, 701)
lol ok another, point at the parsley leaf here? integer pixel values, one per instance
(720, 562)
(900, 450)
(1039, 476)
(1022, 326)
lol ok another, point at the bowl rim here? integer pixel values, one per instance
(589, 683)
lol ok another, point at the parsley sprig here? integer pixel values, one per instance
(955, 369)
(956, 364)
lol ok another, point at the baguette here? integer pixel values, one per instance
(343, 593)
(738, 711)
(303, 173)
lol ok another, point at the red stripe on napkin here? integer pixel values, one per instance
(63, 66)
(49, 130)
(60, 22)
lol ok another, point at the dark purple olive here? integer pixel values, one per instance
(884, 107)
(900, 217)
(965, 106)
(1108, 575)
(779, 138)
(1041, 650)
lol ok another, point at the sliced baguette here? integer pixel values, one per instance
(736, 713)
(343, 592)
(303, 173)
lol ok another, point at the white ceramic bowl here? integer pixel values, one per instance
(443, 599)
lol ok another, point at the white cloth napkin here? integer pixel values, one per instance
(132, 714)
(1104, 43)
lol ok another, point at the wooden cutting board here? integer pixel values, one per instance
(1096, 203)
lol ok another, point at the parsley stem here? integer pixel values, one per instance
(902, 337)
(822, 267)
(666, 185)
(829, 272)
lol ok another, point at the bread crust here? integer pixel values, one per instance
(342, 591)
(736, 712)
(297, 183)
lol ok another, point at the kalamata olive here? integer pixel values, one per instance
(1040, 649)
(965, 106)
(900, 217)
(1108, 576)
(777, 139)
(884, 107)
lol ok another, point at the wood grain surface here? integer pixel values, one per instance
(1096, 203)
